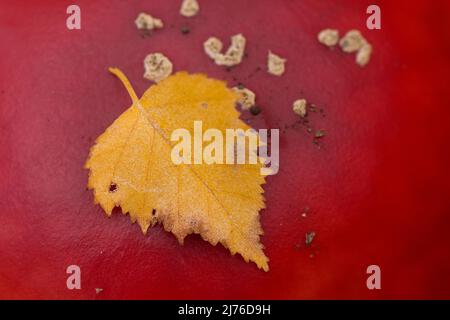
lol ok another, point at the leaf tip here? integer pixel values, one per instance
(264, 266)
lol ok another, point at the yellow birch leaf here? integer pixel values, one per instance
(131, 167)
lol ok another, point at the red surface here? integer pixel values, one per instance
(378, 189)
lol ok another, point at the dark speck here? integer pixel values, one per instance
(255, 110)
(313, 108)
(144, 33)
(185, 30)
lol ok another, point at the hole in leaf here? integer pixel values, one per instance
(112, 187)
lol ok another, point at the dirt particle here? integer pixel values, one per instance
(157, 67)
(364, 54)
(320, 134)
(234, 54)
(299, 107)
(144, 21)
(212, 47)
(275, 64)
(189, 8)
(309, 237)
(328, 37)
(246, 97)
(352, 41)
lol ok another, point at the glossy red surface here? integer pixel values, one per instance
(378, 189)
